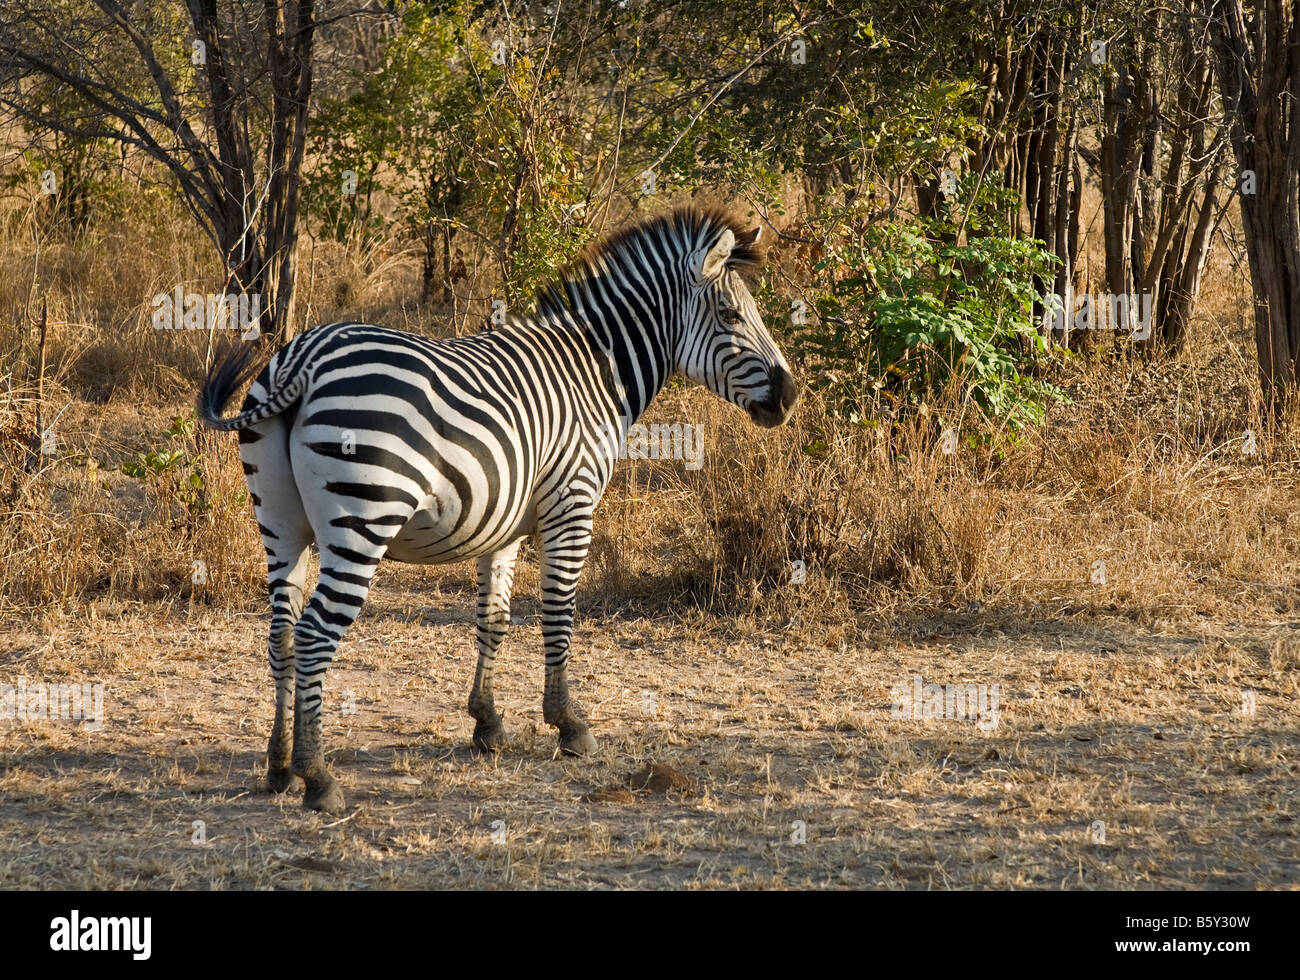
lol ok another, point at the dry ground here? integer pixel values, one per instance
(1138, 726)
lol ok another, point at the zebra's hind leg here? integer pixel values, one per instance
(287, 536)
(350, 548)
(286, 576)
(496, 577)
(564, 549)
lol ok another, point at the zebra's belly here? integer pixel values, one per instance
(433, 537)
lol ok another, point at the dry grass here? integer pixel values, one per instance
(1101, 721)
(1121, 700)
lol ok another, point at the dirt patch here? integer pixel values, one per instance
(654, 777)
(659, 778)
(1123, 757)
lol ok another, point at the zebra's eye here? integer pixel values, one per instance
(730, 316)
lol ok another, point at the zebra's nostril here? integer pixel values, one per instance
(784, 391)
(781, 395)
(790, 392)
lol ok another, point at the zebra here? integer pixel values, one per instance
(375, 442)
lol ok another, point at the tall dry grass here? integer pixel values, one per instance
(1143, 471)
(885, 519)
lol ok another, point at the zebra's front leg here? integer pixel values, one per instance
(496, 577)
(563, 548)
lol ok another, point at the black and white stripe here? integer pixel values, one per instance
(374, 442)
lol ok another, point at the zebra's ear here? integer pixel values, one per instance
(748, 253)
(709, 264)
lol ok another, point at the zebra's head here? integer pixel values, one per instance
(723, 343)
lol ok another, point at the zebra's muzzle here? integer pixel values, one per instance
(776, 408)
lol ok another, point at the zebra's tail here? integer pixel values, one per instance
(228, 375)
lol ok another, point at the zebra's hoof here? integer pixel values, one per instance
(325, 797)
(279, 779)
(490, 738)
(580, 742)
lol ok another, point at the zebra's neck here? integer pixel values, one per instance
(638, 366)
(627, 334)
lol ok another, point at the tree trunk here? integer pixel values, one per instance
(1259, 78)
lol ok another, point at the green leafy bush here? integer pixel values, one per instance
(181, 469)
(912, 306)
